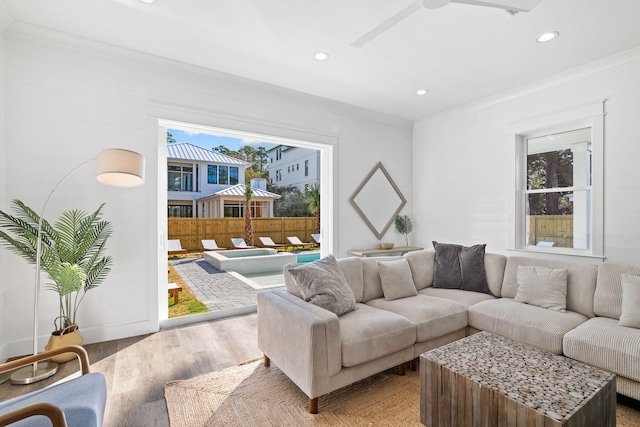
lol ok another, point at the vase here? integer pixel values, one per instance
(67, 336)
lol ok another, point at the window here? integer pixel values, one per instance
(558, 203)
(223, 175)
(297, 166)
(212, 174)
(235, 209)
(233, 175)
(288, 169)
(306, 168)
(180, 178)
(180, 211)
(558, 190)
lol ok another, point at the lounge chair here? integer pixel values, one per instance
(298, 243)
(267, 242)
(211, 245)
(239, 243)
(175, 248)
(316, 238)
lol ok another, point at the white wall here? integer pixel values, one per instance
(67, 98)
(3, 283)
(461, 162)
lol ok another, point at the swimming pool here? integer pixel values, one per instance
(308, 256)
(250, 260)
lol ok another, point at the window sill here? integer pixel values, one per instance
(557, 251)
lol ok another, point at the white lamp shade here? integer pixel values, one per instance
(120, 168)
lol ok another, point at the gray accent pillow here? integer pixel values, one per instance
(323, 284)
(474, 277)
(447, 274)
(543, 287)
(396, 278)
(289, 281)
(630, 316)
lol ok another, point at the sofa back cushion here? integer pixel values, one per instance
(581, 282)
(371, 277)
(608, 296)
(494, 265)
(422, 264)
(352, 269)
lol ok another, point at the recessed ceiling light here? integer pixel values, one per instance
(321, 56)
(147, 1)
(422, 92)
(547, 37)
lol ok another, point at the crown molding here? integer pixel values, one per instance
(23, 31)
(560, 79)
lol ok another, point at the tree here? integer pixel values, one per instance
(293, 202)
(552, 169)
(256, 156)
(170, 138)
(312, 193)
(248, 223)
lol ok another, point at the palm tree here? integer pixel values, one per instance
(248, 224)
(312, 193)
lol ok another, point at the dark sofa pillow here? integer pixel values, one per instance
(447, 274)
(474, 277)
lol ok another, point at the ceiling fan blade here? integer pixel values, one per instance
(404, 13)
(515, 5)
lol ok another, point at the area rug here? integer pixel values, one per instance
(254, 395)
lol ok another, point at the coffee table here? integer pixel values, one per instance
(488, 380)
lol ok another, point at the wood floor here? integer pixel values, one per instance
(137, 368)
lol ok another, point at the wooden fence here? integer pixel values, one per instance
(191, 230)
(551, 228)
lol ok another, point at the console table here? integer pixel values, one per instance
(373, 252)
(487, 380)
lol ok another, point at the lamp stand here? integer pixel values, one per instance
(116, 167)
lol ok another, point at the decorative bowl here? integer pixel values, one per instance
(385, 245)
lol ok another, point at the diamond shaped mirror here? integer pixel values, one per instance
(378, 200)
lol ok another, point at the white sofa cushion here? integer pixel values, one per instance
(600, 342)
(581, 282)
(433, 317)
(630, 316)
(466, 298)
(525, 323)
(396, 279)
(543, 287)
(368, 334)
(371, 277)
(422, 264)
(608, 294)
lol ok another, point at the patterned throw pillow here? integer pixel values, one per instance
(323, 284)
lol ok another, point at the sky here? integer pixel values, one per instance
(211, 141)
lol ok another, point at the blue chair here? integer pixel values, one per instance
(79, 402)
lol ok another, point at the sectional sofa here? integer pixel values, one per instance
(322, 352)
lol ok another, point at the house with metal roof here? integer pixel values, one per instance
(206, 184)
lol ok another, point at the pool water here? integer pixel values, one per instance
(308, 257)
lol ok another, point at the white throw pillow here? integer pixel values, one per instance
(396, 278)
(630, 316)
(543, 287)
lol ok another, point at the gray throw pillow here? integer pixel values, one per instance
(630, 316)
(543, 287)
(474, 277)
(323, 284)
(447, 272)
(396, 278)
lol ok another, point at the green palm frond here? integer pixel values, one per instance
(72, 250)
(403, 224)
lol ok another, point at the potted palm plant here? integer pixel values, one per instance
(404, 226)
(72, 255)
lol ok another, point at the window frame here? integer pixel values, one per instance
(589, 115)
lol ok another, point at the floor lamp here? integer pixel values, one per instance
(116, 167)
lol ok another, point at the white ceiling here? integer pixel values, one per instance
(460, 53)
